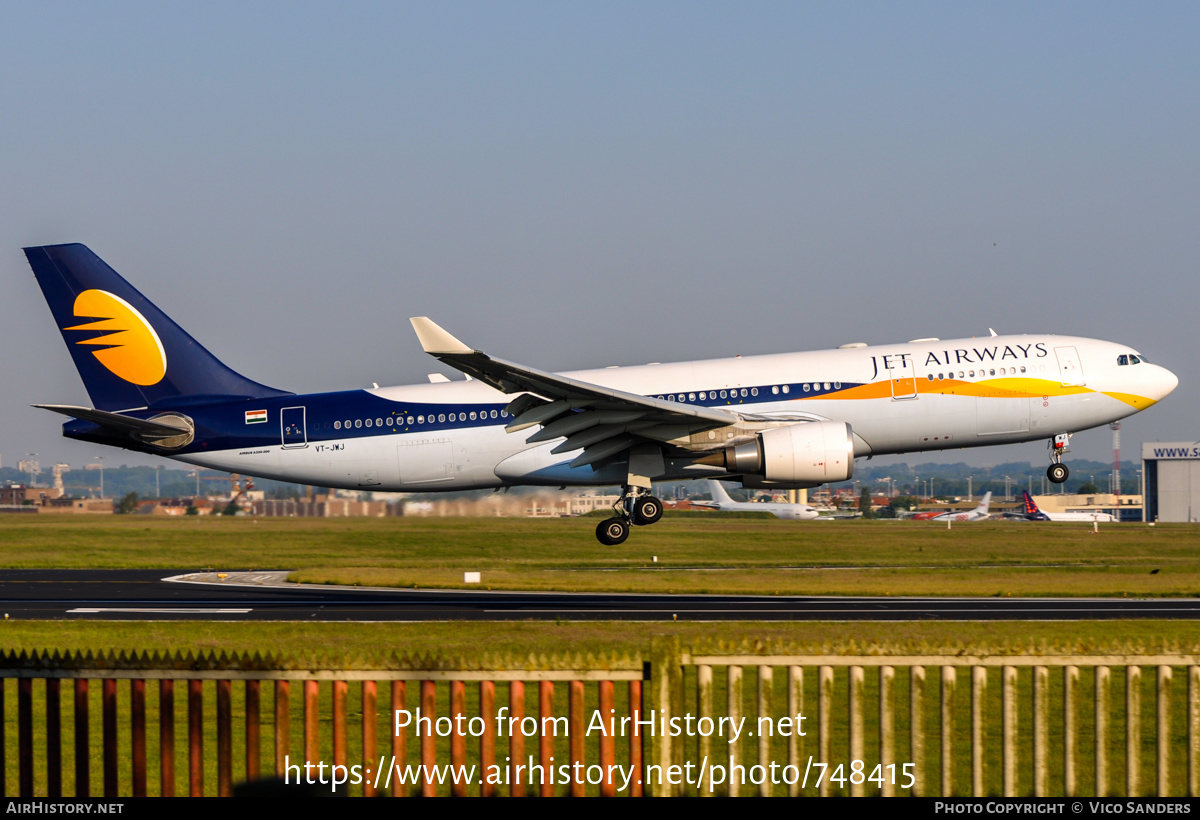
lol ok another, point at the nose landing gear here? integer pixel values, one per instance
(1057, 472)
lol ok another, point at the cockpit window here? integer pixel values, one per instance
(1134, 359)
(1122, 360)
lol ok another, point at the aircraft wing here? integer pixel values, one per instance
(602, 420)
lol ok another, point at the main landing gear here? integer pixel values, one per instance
(1057, 472)
(635, 507)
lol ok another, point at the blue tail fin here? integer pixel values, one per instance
(128, 352)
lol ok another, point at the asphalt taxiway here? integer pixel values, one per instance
(266, 596)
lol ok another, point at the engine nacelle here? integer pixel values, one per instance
(812, 451)
(809, 453)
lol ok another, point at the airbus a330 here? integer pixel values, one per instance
(789, 420)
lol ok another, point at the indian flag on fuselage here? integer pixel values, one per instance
(255, 416)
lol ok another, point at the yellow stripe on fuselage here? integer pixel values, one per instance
(1016, 388)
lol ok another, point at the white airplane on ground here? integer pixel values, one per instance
(721, 501)
(1034, 513)
(789, 420)
(977, 514)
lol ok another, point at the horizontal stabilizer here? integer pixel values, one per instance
(117, 422)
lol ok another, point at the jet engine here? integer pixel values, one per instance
(809, 453)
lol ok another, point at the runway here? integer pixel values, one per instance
(263, 596)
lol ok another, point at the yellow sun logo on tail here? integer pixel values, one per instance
(132, 350)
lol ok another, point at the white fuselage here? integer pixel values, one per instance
(928, 395)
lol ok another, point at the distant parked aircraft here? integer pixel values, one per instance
(977, 514)
(1033, 513)
(721, 501)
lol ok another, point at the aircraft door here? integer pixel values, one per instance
(903, 378)
(291, 420)
(1069, 366)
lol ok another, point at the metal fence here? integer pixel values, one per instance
(1040, 724)
(325, 722)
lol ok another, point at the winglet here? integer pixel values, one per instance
(434, 339)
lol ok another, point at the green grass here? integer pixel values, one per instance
(682, 553)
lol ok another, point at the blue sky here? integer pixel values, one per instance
(581, 184)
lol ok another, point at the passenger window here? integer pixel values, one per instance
(930, 377)
(837, 385)
(806, 387)
(743, 392)
(775, 390)
(472, 415)
(992, 372)
(753, 391)
(691, 396)
(703, 396)
(410, 420)
(787, 389)
(337, 425)
(368, 422)
(493, 414)
(348, 423)
(826, 385)
(378, 422)
(358, 422)
(441, 416)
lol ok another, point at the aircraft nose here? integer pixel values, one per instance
(1167, 382)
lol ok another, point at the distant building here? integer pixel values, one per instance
(1171, 480)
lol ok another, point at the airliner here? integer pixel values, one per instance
(721, 501)
(789, 420)
(980, 513)
(1035, 513)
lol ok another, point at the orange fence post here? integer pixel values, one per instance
(635, 738)
(546, 741)
(137, 735)
(109, 716)
(399, 739)
(253, 730)
(53, 737)
(428, 740)
(368, 736)
(516, 739)
(577, 732)
(312, 753)
(458, 738)
(487, 741)
(339, 723)
(82, 754)
(195, 738)
(166, 737)
(283, 733)
(25, 736)
(225, 738)
(608, 743)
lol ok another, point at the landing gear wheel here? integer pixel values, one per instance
(612, 531)
(647, 510)
(1057, 473)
